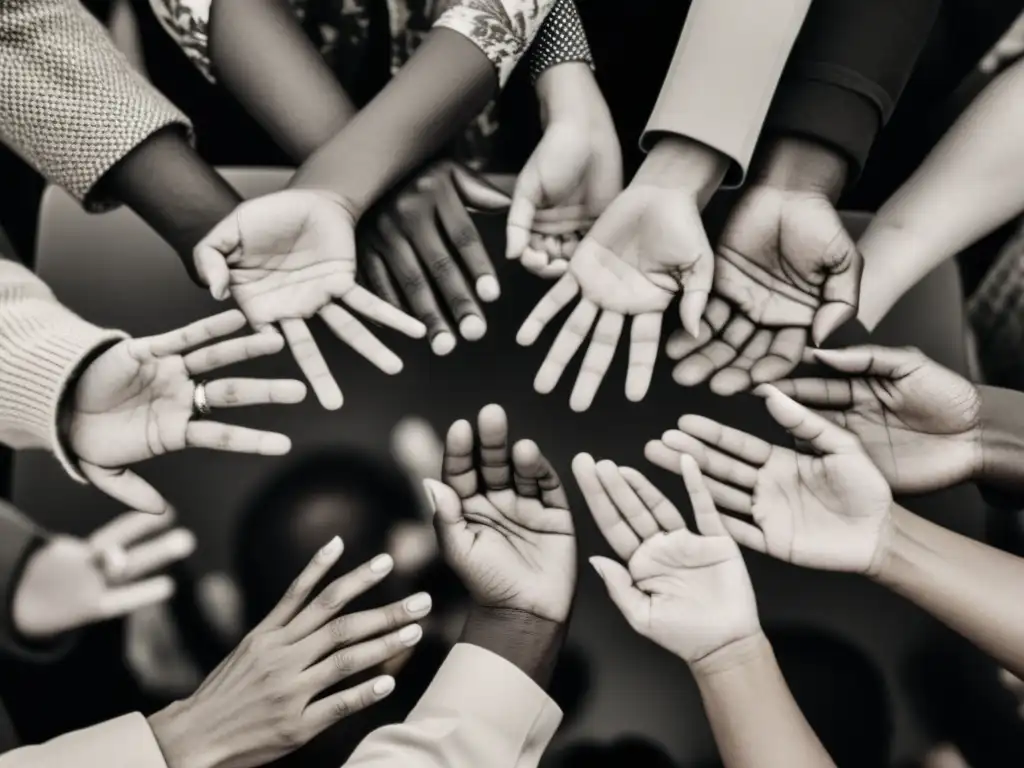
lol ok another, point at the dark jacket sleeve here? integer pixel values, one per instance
(847, 71)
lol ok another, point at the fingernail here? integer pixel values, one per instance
(418, 603)
(472, 328)
(487, 288)
(430, 496)
(384, 686)
(594, 563)
(381, 564)
(331, 548)
(410, 635)
(443, 343)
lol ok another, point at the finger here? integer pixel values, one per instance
(445, 503)
(709, 522)
(195, 334)
(716, 355)
(239, 393)
(664, 511)
(525, 199)
(681, 343)
(725, 496)
(232, 351)
(815, 393)
(783, 356)
(872, 360)
(495, 459)
(840, 292)
(459, 465)
(379, 278)
(597, 359)
(210, 255)
(617, 532)
(380, 311)
(711, 461)
(325, 712)
(155, 555)
(126, 487)
(415, 285)
(556, 299)
(644, 338)
(696, 289)
(128, 528)
(536, 261)
(227, 437)
(462, 232)
(477, 192)
(577, 213)
(736, 377)
(346, 327)
(631, 508)
(803, 424)
(346, 662)
(567, 343)
(745, 534)
(312, 364)
(333, 598)
(630, 601)
(302, 586)
(535, 477)
(748, 448)
(356, 627)
(121, 601)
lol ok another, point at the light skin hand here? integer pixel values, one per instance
(647, 247)
(689, 593)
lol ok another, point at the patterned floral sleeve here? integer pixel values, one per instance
(561, 39)
(187, 22)
(502, 29)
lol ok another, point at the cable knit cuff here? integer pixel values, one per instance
(561, 40)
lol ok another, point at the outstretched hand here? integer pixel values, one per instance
(289, 256)
(829, 509)
(502, 518)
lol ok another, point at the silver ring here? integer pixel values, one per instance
(200, 404)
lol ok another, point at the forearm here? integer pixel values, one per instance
(970, 184)
(262, 56)
(974, 589)
(1002, 438)
(530, 643)
(755, 720)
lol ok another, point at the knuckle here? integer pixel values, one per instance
(292, 734)
(344, 662)
(408, 206)
(464, 236)
(414, 281)
(428, 182)
(342, 708)
(341, 628)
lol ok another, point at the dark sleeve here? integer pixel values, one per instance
(847, 72)
(19, 539)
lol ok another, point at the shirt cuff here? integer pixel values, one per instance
(561, 40)
(124, 742)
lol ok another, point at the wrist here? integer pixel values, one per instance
(737, 654)
(800, 165)
(180, 744)
(524, 639)
(683, 164)
(569, 92)
(893, 547)
(1000, 438)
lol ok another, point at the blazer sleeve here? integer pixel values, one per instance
(480, 710)
(125, 742)
(724, 74)
(842, 81)
(70, 103)
(42, 346)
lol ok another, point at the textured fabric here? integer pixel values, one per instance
(42, 344)
(125, 742)
(70, 103)
(561, 39)
(715, 96)
(480, 710)
(996, 313)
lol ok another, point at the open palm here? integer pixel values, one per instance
(503, 520)
(289, 256)
(918, 421)
(648, 246)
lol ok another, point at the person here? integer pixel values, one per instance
(650, 244)
(691, 594)
(101, 401)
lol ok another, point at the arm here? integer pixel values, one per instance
(125, 742)
(561, 40)
(1001, 420)
(750, 707)
(970, 184)
(974, 589)
(714, 96)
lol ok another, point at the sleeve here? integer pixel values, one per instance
(42, 346)
(188, 24)
(713, 95)
(561, 39)
(70, 103)
(480, 710)
(502, 29)
(842, 82)
(125, 742)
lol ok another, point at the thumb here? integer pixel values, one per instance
(840, 293)
(804, 424)
(444, 502)
(526, 198)
(478, 193)
(696, 286)
(210, 255)
(871, 360)
(627, 598)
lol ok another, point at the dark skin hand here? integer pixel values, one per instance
(414, 240)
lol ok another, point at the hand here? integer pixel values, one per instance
(690, 594)
(264, 700)
(573, 175)
(784, 265)
(289, 256)
(69, 583)
(135, 401)
(644, 249)
(830, 510)
(503, 520)
(410, 243)
(919, 422)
